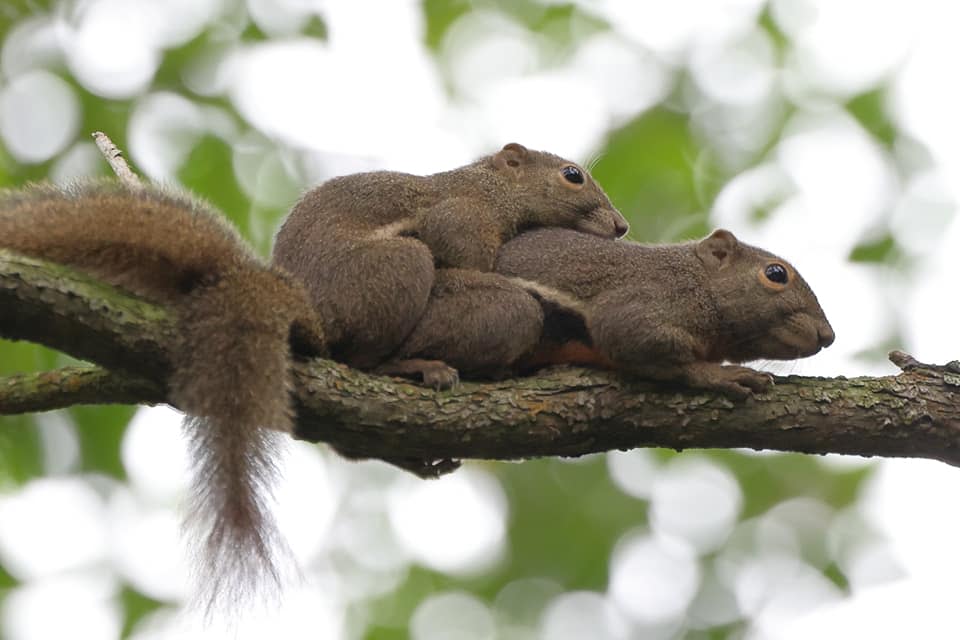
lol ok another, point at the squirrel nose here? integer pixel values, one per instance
(621, 227)
(826, 335)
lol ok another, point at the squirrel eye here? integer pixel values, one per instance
(776, 273)
(572, 174)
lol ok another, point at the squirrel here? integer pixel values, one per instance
(666, 312)
(671, 312)
(230, 365)
(367, 246)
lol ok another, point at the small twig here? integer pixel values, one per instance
(114, 157)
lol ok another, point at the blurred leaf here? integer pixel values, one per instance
(836, 576)
(769, 26)
(315, 28)
(389, 615)
(565, 520)
(439, 15)
(21, 451)
(108, 116)
(768, 479)
(208, 170)
(655, 173)
(566, 25)
(24, 357)
(883, 249)
(870, 111)
(13, 11)
(7, 581)
(13, 174)
(135, 607)
(253, 33)
(100, 430)
(169, 74)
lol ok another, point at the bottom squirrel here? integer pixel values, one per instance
(230, 365)
(665, 312)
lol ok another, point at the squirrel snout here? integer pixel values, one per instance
(826, 335)
(621, 227)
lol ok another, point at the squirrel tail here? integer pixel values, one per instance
(236, 419)
(230, 363)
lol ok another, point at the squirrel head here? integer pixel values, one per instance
(552, 191)
(766, 307)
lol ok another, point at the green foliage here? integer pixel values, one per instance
(658, 175)
(439, 16)
(883, 249)
(6, 580)
(871, 112)
(135, 606)
(575, 554)
(21, 451)
(13, 11)
(100, 440)
(208, 169)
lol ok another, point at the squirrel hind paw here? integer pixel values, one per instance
(440, 376)
(435, 374)
(425, 469)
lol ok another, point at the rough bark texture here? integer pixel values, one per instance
(562, 412)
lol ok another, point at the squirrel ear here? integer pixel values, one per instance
(511, 156)
(716, 250)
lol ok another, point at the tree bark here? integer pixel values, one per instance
(568, 411)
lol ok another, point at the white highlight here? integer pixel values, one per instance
(582, 614)
(697, 501)
(64, 607)
(653, 579)
(154, 455)
(111, 50)
(633, 471)
(452, 616)
(306, 500)
(455, 524)
(52, 525)
(39, 115)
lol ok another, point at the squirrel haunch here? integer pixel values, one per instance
(366, 245)
(230, 365)
(668, 312)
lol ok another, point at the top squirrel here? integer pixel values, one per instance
(366, 245)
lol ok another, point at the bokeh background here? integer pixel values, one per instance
(823, 130)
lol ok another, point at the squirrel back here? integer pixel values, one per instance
(667, 311)
(230, 365)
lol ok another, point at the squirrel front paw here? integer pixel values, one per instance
(733, 380)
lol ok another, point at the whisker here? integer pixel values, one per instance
(592, 162)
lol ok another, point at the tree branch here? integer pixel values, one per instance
(88, 384)
(562, 412)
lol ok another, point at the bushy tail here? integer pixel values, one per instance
(231, 366)
(232, 377)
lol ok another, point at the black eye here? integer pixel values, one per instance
(572, 174)
(776, 273)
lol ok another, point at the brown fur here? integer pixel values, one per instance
(231, 365)
(672, 312)
(479, 323)
(366, 245)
